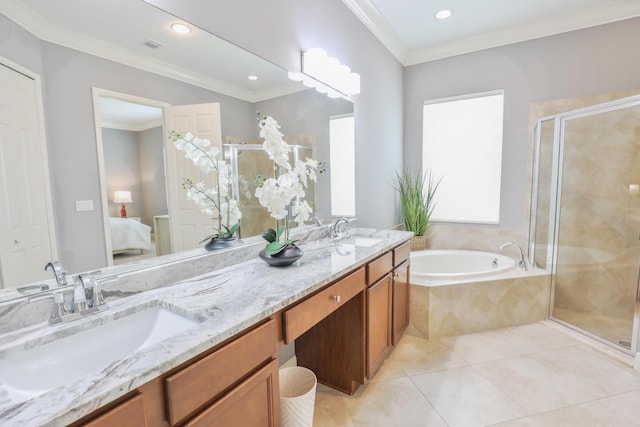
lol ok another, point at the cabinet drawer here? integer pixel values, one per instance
(377, 268)
(401, 254)
(207, 378)
(305, 315)
(127, 414)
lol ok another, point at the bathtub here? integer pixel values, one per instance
(457, 264)
(454, 292)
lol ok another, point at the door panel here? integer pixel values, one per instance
(188, 225)
(26, 243)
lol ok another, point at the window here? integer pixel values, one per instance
(342, 165)
(462, 143)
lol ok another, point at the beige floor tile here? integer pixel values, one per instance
(395, 402)
(625, 404)
(419, 356)
(390, 370)
(535, 383)
(591, 414)
(593, 371)
(484, 346)
(520, 422)
(555, 379)
(330, 409)
(464, 398)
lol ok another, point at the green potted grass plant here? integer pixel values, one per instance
(417, 191)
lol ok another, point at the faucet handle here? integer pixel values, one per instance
(97, 300)
(79, 295)
(59, 308)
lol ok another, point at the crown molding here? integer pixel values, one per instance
(369, 15)
(562, 23)
(46, 31)
(541, 28)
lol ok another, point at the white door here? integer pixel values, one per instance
(27, 241)
(188, 225)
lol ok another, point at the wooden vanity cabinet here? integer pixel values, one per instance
(400, 320)
(378, 323)
(130, 413)
(379, 311)
(235, 384)
(332, 342)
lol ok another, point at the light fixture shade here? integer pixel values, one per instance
(122, 197)
(327, 71)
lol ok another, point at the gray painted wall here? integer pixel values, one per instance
(134, 161)
(587, 62)
(152, 178)
(292, 26)
(122, 169)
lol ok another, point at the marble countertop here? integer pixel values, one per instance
(226, 301)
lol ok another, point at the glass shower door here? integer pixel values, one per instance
(598, 223)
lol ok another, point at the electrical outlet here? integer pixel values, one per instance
(84, 205)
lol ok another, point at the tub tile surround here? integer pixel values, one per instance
(532, 375)
(446, 309)
(227, 300)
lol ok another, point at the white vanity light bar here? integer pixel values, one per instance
(318, 86)
(328, 72)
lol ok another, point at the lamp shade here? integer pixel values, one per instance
(122, 197)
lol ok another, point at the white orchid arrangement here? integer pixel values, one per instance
(283, 195)
(216, 202)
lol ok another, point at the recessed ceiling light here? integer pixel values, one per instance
(443, 14)
(180, 28)
(253, 78)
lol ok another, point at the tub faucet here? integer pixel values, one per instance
(522, 263)
(58, 272)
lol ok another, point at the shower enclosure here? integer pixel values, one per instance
(249, 161)
(585, 218)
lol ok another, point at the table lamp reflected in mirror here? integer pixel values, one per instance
(122, 197)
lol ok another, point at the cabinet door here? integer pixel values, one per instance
(127, 414)
(400, 301)
(254, 403)
(378, 323)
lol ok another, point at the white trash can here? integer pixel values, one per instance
(297, 396)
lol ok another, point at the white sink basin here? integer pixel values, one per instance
(360, 241)
(29, 373)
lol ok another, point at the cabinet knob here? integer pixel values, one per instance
(336, 298)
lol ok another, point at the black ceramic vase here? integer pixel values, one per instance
(285, 257)
(218, 243)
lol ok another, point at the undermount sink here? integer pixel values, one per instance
(29, 373)
(360, 241)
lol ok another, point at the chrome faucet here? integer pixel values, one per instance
(58, 272)
(522, 263)
(317, 221)
(87, 299)
(336, 231)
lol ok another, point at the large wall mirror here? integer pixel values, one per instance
(110, 71)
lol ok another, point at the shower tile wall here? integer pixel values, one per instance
(598, 256)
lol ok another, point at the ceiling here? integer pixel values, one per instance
(409, 30)
(406, 27)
